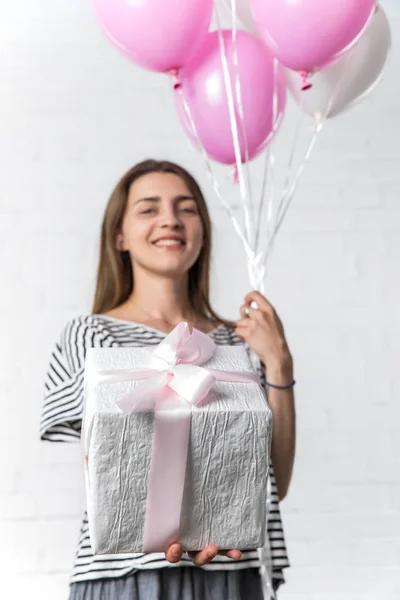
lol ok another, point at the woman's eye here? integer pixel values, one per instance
(183, 209)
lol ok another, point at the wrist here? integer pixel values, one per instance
(280, 372)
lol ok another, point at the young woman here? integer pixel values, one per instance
(153, 272)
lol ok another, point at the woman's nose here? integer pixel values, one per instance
(170, 218)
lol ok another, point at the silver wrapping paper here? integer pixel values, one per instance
(229, 454)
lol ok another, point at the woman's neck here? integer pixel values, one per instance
(166, 308)
(162, 303)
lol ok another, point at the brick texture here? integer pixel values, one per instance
(74, 116)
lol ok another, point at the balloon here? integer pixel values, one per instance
(306, 35)
(204, 89)
(351, 78)
(161, 35)
(243, 13)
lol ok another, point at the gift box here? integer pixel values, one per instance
(176, 441)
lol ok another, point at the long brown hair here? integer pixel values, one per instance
(115, 274)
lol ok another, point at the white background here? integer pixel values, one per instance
(75, 115)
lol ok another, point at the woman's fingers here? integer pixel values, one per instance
(247, 308)
(174, 553)
(208, 554)
(259, 300)
(234, 554)
(204, 556)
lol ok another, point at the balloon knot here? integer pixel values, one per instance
(236, 175)
(305, 84)
(175, 78)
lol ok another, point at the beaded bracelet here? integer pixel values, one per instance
(281, 387)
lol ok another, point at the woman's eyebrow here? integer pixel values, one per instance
(183, 197)
(148, 199)
(180, 198)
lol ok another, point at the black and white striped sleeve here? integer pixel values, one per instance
(61, 417)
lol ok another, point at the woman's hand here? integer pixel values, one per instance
(263, 331)
(174, 554)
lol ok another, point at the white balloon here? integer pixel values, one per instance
(243, 13)
(351, 78)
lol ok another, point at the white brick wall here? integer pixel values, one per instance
(74, 116)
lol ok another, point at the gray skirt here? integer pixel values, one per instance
(178, 583)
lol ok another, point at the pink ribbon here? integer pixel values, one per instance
(171, 390)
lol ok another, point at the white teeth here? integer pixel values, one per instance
(168, 243)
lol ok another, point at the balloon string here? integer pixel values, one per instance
(248, 250)
(263, 192)
(271, 194)
(239, 102)
(269, 167)
(289, 167)
(285, 206)
(288, 197)
(234, 128)
(264, 553)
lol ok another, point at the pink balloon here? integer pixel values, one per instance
(305, 35)
(204, 90)
(161, 35)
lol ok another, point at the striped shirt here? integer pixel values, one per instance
(61, 422)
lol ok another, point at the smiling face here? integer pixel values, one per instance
(162, 227)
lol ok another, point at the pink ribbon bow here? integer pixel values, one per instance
(171, 391)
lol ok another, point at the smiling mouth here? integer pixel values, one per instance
(169, 243)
